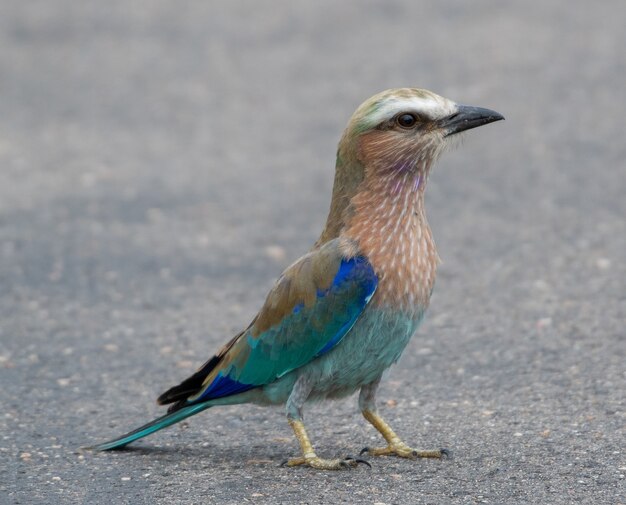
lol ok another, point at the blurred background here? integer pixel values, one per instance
(162, 162)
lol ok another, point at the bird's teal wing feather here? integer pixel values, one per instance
(312, 306)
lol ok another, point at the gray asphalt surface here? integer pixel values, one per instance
(161, 162)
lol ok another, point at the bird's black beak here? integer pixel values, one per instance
(468, 117)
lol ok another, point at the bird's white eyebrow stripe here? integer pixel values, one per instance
(392, 106)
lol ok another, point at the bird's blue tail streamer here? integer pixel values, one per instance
(147, 429)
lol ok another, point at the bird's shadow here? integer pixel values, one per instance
(252, 455)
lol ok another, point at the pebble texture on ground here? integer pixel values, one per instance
(162, 162)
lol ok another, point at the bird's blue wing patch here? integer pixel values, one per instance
(225, 386)
(354, 270)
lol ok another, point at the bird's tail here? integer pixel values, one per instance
(158, 424)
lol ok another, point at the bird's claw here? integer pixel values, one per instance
(446, 453)
(356, 461)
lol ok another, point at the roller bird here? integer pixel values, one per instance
(343, 313)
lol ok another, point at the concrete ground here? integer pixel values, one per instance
(161, 162)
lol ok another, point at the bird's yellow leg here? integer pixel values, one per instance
(311, 459)
(395, 446)
(299, 394)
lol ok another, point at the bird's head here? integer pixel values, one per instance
(407, 128)
(392, 136)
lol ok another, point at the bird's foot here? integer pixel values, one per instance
(314, 461)
(402, 450)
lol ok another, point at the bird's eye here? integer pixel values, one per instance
(406, 120)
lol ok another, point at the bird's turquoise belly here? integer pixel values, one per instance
(374, 343)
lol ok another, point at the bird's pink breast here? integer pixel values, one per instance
(391, 229)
